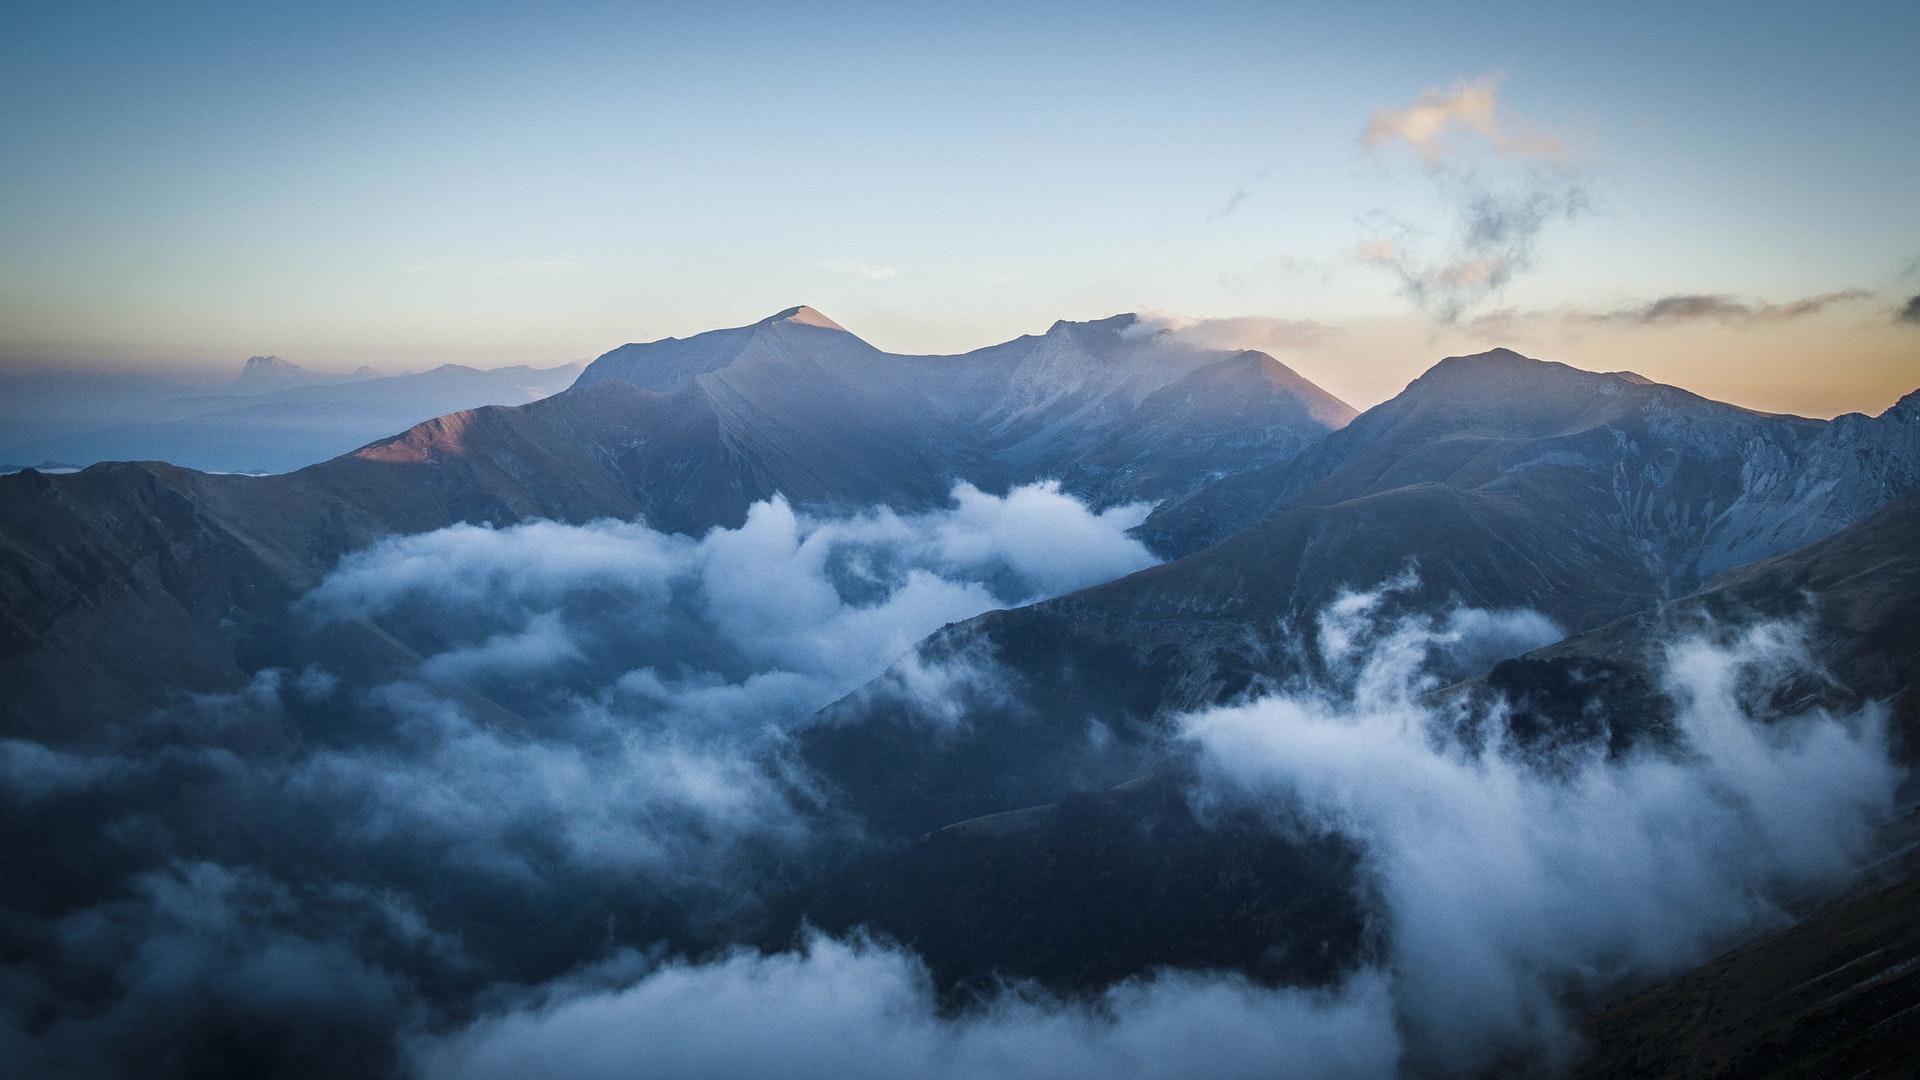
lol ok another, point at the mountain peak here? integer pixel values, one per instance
(1112, 322)
(664, 364)
(271, 372)
(805, 316)
(1493, 356)
(264, 365)
(1511, 370)
(1502, 368)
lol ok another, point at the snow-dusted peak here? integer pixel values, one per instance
(1111, 324)
(805, 316)
(667, 363)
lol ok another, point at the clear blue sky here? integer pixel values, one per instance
(342, 184)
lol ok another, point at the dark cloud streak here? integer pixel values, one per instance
(1698, 307)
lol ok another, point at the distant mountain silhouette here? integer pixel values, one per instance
(275, 418)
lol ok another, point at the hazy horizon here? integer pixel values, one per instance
(1359, 192)
(1364, 365)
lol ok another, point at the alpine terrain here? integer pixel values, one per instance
(975, 708)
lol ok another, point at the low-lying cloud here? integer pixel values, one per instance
(1511, 894)
(485, 756)
(1515, 892)
(830, 600)
(651, 677)
(433, 882)
(857, 1009)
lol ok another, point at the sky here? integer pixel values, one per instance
(1713, 195)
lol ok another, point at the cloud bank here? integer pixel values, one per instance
(856, 1009)
(489, 757)
(1509, 892)
(650, 675)
(1515, 892)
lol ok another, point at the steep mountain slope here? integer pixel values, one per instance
(1041, 832)
(1833, 994)
(1494, 481)
(1858, 590)
(1836, 994)
(1114, 412)
(127, 583)
(1686, 486)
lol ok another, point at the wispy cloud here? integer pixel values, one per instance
(859, 269)
(1699, 307)
(1679, 309)
(1495, 234)
(1498, 207)
(1513, 891)
(1233, 203)
(1430, 124)
(1911, 313)
(1236, 332)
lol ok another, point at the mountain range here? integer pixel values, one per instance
(791, 405)
(1503, 482)
(1040, 817)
